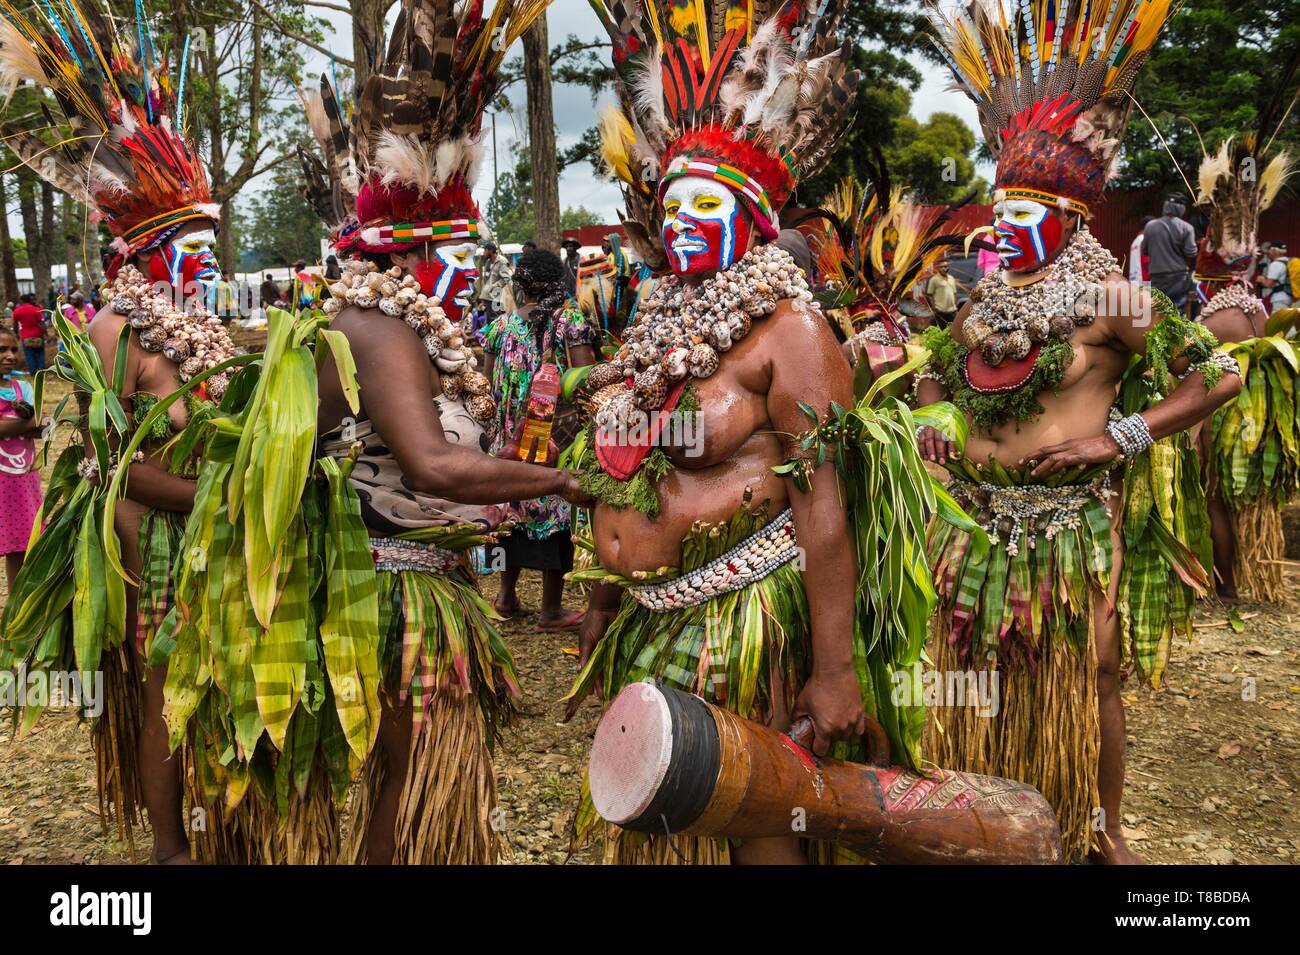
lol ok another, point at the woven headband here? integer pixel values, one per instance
(146, 234)
(403, 233)
(735, 180)
(1047, 198)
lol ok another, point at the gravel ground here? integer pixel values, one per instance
(1213, 764)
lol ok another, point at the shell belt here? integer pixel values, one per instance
(1011, 509)
(754, 558)
(392, 554)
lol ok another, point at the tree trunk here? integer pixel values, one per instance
(541, 137)
(367, 39)
(38, 252)
(8, 271)
(49, 229)
(71, 240)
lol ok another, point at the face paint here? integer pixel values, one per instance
(704, 227)
(449, 275)
(187, 262)
(1028, 234)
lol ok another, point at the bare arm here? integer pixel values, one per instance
(17, 427)
(1189, 403)
(818, 374)
(146, 482)
(393, 372)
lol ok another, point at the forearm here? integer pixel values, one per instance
(830, 569)
(929, 390)
(470, 477)
(1189, 403)
(153, 487)
(17, 427)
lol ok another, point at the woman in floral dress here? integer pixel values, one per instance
(547, 325)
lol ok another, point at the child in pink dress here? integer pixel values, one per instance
(20, 483)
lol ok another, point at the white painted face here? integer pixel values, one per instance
(1027, 233)
(703, 228)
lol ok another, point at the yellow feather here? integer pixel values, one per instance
(1273, 178)
(616, 137)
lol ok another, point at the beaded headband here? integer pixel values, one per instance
(155, 231)
(734, 179)
(404, 233)
(1048, 198)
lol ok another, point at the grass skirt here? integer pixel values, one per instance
(1256, 459)
(441, 650)
(1029, 619)
(747, 651)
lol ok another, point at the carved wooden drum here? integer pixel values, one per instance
(664, 761)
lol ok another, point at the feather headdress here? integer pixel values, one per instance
(122, 147)
(416, 126)
(330, 184)
(1052, 85)
(1240, 181)
(756, 94)
(870, 256)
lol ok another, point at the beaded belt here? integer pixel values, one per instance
(754, 558)
(392, 554)
(1005, 509)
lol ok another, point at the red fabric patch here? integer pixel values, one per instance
(1007, 376)
(619, 456)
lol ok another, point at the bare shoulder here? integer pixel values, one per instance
(800, 346)
(1230, 325)
(106, 325)
(370, 331)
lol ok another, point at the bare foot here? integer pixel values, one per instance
(179, 857)
(511, 609)
(1115, 851)
(559, 622)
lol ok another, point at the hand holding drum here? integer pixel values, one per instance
(666, 761)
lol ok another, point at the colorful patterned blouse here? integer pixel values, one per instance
(513, 341)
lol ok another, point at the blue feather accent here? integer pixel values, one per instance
(180, 90)
(140, 54)
(67, 40)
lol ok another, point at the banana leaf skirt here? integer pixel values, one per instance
(1024, 613)
(1256, 459)
(442, 654)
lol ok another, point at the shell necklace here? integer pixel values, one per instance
(1006, 321)
(194, 338)
(398, 296)
(682, 331)
(1236, 295)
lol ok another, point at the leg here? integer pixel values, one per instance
(13, 564)
(1221, 532)
(395, 747)
(507, 602)
(160, 773)
(1110, 771)
(552, 597)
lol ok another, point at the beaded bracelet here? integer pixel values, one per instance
(921, 375)
(1221, 360)
(1131, 434)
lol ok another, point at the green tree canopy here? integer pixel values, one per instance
(1216, 68)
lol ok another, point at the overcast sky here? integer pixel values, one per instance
(575, 113)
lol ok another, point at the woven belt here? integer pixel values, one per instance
(754, 558)
(392, 554)
(1004, 508)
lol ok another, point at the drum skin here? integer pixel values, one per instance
(665, 761)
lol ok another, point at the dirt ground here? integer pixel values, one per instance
(1213, 759)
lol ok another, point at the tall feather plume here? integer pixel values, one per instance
(116, 145)
(418, 118)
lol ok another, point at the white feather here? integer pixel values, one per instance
(403, 160)
(313, 106)
(475, 150)
(446, 159)
(18, 61)
(648, 97)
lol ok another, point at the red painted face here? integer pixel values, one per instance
(187, 263)
(1028, 233)
(448, 274)
(705, 229)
